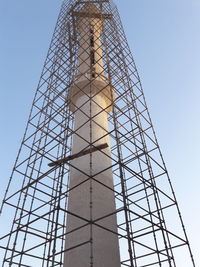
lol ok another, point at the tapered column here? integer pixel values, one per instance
(91, 238)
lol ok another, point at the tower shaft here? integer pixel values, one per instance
(91, 197)
(91, 194)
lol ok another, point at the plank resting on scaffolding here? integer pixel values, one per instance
(77, 155)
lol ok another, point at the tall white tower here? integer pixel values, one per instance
(90, 99)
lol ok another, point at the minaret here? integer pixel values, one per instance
(90, 99)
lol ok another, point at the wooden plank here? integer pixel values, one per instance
(92, 15)
(77, 155)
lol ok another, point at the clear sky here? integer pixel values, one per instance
(164, 36)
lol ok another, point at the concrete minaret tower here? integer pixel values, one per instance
(91, 99)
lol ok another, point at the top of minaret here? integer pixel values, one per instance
(92, 11)
(89, 8)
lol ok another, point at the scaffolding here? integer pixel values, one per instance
(150, 228)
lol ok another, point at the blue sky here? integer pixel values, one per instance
(164, 36)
